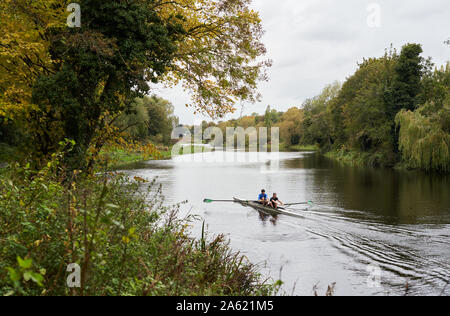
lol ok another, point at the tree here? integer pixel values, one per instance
(425, 140)
(97, 71)
(74, 83)
(409, 69)
(24, 56)
(161, 119)
(150, 119)
(317, 125)
(135, 123)
(424, 135)
(24, 52)
(268, 117)
(291, 126)
(219, 61)
(366, 122)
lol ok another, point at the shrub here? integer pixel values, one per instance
(117, 230)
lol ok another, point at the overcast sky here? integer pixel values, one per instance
(315, 42)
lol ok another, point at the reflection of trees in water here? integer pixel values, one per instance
(400, 196)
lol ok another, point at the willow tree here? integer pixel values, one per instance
(425, 141)
(425, 133)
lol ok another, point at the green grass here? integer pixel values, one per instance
(294, 148)
(121, 158)
(303, 148)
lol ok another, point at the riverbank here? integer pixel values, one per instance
(353, 158)
(121, 158)
(361, 160)
(299, 148)
(122, 244)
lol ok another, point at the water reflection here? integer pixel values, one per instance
(268, 218)
(397, 221)
(398, 197)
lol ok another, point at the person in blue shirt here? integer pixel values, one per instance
(262, 198)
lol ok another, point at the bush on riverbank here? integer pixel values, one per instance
(125, 241)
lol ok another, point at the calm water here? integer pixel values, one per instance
(367, 225)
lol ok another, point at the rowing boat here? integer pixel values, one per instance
(267, 209)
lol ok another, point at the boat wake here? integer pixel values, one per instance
(409, 256)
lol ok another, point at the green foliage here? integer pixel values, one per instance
(100, 69)
(409, 70)
(10, 132)
(425, 139)
(318, 121)
(366, 123)
(135, 122)
(119, 232)
(357, 123)
(22, 275)
(6, 152)
(149, 118)
(271, 117)
(290, 126)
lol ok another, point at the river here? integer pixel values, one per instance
(370, 231)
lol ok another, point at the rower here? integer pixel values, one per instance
(262, 198)
(275, 201)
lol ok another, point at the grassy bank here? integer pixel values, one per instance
(120, 158)
(123, 244)
(301, 148)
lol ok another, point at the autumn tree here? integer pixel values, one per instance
(24, 56)
(220, 61)
(291, 126)
(74, 83)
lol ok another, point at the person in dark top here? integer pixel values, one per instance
(262, 198)
(275, 201)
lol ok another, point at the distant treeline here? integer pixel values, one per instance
(394, 110)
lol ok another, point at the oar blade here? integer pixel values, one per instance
(207, 201)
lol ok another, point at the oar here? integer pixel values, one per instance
(212, 201)
(223, 201)
(233, 201)
(301, 203)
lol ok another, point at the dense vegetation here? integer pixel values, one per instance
(150, 118)
(59, 82)
(123, 237)
(65, 95)
(393, 111)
